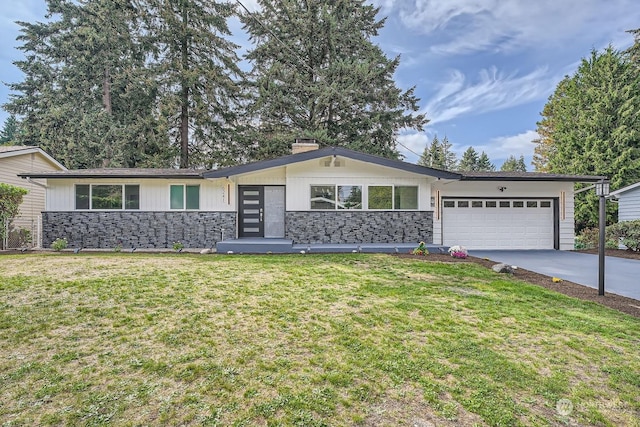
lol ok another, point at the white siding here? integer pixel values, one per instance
(301, 176)
(629, 205)
(154, 193)
(513, 189)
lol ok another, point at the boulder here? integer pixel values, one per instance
(502, 268)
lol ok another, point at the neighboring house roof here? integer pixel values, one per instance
(118, 173)
(326, 152)
(19, 150)
(617, 193)
(525, 176)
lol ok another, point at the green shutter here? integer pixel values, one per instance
(177, 197)
(193, 197)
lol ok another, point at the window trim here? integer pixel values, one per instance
(91, 185)
(184, 197)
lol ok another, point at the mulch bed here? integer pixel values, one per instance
(617, 302)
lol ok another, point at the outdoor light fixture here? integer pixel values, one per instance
(602, 188)
(602, 191)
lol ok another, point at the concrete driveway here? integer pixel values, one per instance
(622, 276)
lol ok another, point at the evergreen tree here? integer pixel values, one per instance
(438, 155)
(591, 125)
(514, 165)
(450, 160)
(87, 97)
(469, 161)
(9, 131)
(484, 164)
(200, 91)
(318, 74)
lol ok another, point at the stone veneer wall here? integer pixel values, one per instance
(359, 226)
(137, 229)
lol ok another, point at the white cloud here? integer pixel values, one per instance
(491, 91)
(499, 148)
(411, 145)
(499, 25)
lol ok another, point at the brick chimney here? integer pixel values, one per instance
(303, 145)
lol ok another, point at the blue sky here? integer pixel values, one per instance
(483, 69)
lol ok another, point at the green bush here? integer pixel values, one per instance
(588, 239)
(627, 233)
(59, 244)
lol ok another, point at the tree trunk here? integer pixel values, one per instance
(184, 96)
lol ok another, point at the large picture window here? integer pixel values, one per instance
(185, 197)
(336, 197)
(406, 197)
(107, 197)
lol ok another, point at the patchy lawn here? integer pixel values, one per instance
(371, 340)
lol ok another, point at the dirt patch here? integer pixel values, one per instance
(617, 302)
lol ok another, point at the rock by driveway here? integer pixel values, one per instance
(622, 276)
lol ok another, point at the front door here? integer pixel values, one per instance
(251, 211)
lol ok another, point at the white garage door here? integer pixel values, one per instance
(498, 224)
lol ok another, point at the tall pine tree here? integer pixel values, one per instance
(87, 97)
(318, 74)
(514, 165)
(200, 91)
(591, 125)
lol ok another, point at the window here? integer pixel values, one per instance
(181, 196)
(490, 204)
(406, 197)
(518, 204)
(463, 204)
(449, 204)
(545, 204)
(380, 197)
(505, 204)
(83, 194)
(323, 197)
(336, 197)
(107, 197)
(476, 203)
(532, 204)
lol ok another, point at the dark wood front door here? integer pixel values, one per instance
(251, 211)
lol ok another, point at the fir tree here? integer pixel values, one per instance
(9, 131)
(469, 161)
(318, 73)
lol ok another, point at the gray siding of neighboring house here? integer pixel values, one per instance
(336, 227)
(629, 205)
(108, 229)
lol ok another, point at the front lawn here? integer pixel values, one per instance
(352, 339)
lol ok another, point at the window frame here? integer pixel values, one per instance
(123, 201)
(336, 197)
(185, 197)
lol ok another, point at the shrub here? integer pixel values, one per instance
(10, 200)
(588, 239)
(177, 246)
(59, 244)
(421, 249)
(627, 233)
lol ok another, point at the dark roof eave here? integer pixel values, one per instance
(325, 152)
(109, 176)
(549, 178)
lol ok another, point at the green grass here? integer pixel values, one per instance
(136, 339)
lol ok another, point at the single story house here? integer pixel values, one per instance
(15, 159)
(628, 199)
(327, 196)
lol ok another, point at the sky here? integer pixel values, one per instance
(483, 69)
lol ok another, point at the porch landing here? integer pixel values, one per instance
(286, 246)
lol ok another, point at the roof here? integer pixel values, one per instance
(526, 176)
(305, 156)
(19, 150)
(326, 152)
(624, 189)
(117, 173)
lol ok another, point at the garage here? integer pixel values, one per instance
(480, 223)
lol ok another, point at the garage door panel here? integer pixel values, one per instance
(511, 224)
